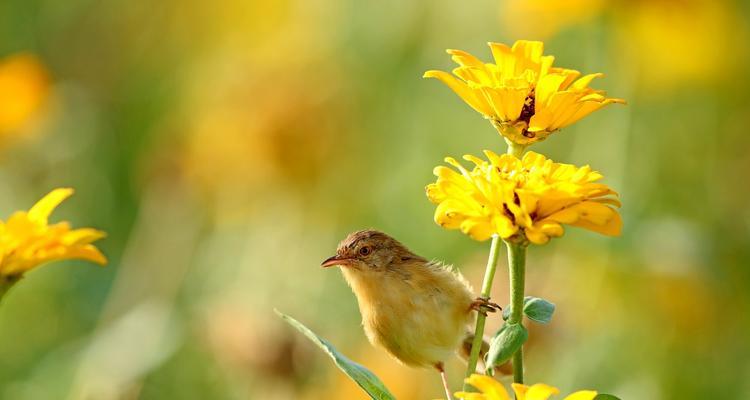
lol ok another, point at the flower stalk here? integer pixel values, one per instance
(7, 282)
(515, 149)
(489, 275)
(517, 276)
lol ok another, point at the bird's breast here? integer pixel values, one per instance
(418, 324)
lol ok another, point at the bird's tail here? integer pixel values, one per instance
(465, 349)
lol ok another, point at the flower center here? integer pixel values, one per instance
(527, 112)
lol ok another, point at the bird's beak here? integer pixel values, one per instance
(335, 260)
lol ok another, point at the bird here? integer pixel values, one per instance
(419, 311)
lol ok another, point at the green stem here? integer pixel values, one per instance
(515, 149)
(516, 272)
(7, 282)
(489, 275)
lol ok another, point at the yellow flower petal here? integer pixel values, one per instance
(462, 90)
(530, 50)
(504, 58)
(504, 227)
(464, 59)
(492, 389)
(584, 82)
(536, 236)
(582, 395)
(546, 65)
(587, 108)
(82, 236)
(540, 391)
(611, 227)
(44, 207)
(560, 106)
(507, 102)
(87, 253)
(594, 212)
(570, 74)
(478, 229)
(547, 86)
(474, 77)
(434, 193)
(609, 201)
(470, 396)
(520, 390)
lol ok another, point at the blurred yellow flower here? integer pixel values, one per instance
(652, 35)
(549, 16)
(24, 87)
(522, 94)
(27, 240)
(533, 195)
(493, 390)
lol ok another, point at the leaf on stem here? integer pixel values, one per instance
(538, 309)
(368, 381)
(535, 309)
(602, 396)
(506, 342)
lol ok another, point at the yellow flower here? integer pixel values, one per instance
(493, 390)
(534, 195)
(721, 28)
(24, 87)
(27, 240)
(549, 16)
(522, 94)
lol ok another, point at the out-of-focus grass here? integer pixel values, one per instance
(226, 148)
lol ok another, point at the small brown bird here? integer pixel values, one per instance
(418, 310)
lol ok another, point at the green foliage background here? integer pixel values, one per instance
(227, 147)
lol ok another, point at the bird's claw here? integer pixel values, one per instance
(483, 305)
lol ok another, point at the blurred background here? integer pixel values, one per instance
(226, 147)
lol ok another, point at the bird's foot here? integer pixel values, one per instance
(441, 370)
(483, 305)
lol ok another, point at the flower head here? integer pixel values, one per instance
(27, 240)
(549, 16)
(534, 195)
(522, 94)
(493, 390)
(24, 87)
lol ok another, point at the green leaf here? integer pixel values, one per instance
(506, 342)
(538, 310)
(361, 375)
(535, 308)
(602, 396)
(506, 312)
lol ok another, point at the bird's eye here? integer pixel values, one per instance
(365, 251)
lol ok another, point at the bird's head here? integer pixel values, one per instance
(370, 250)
